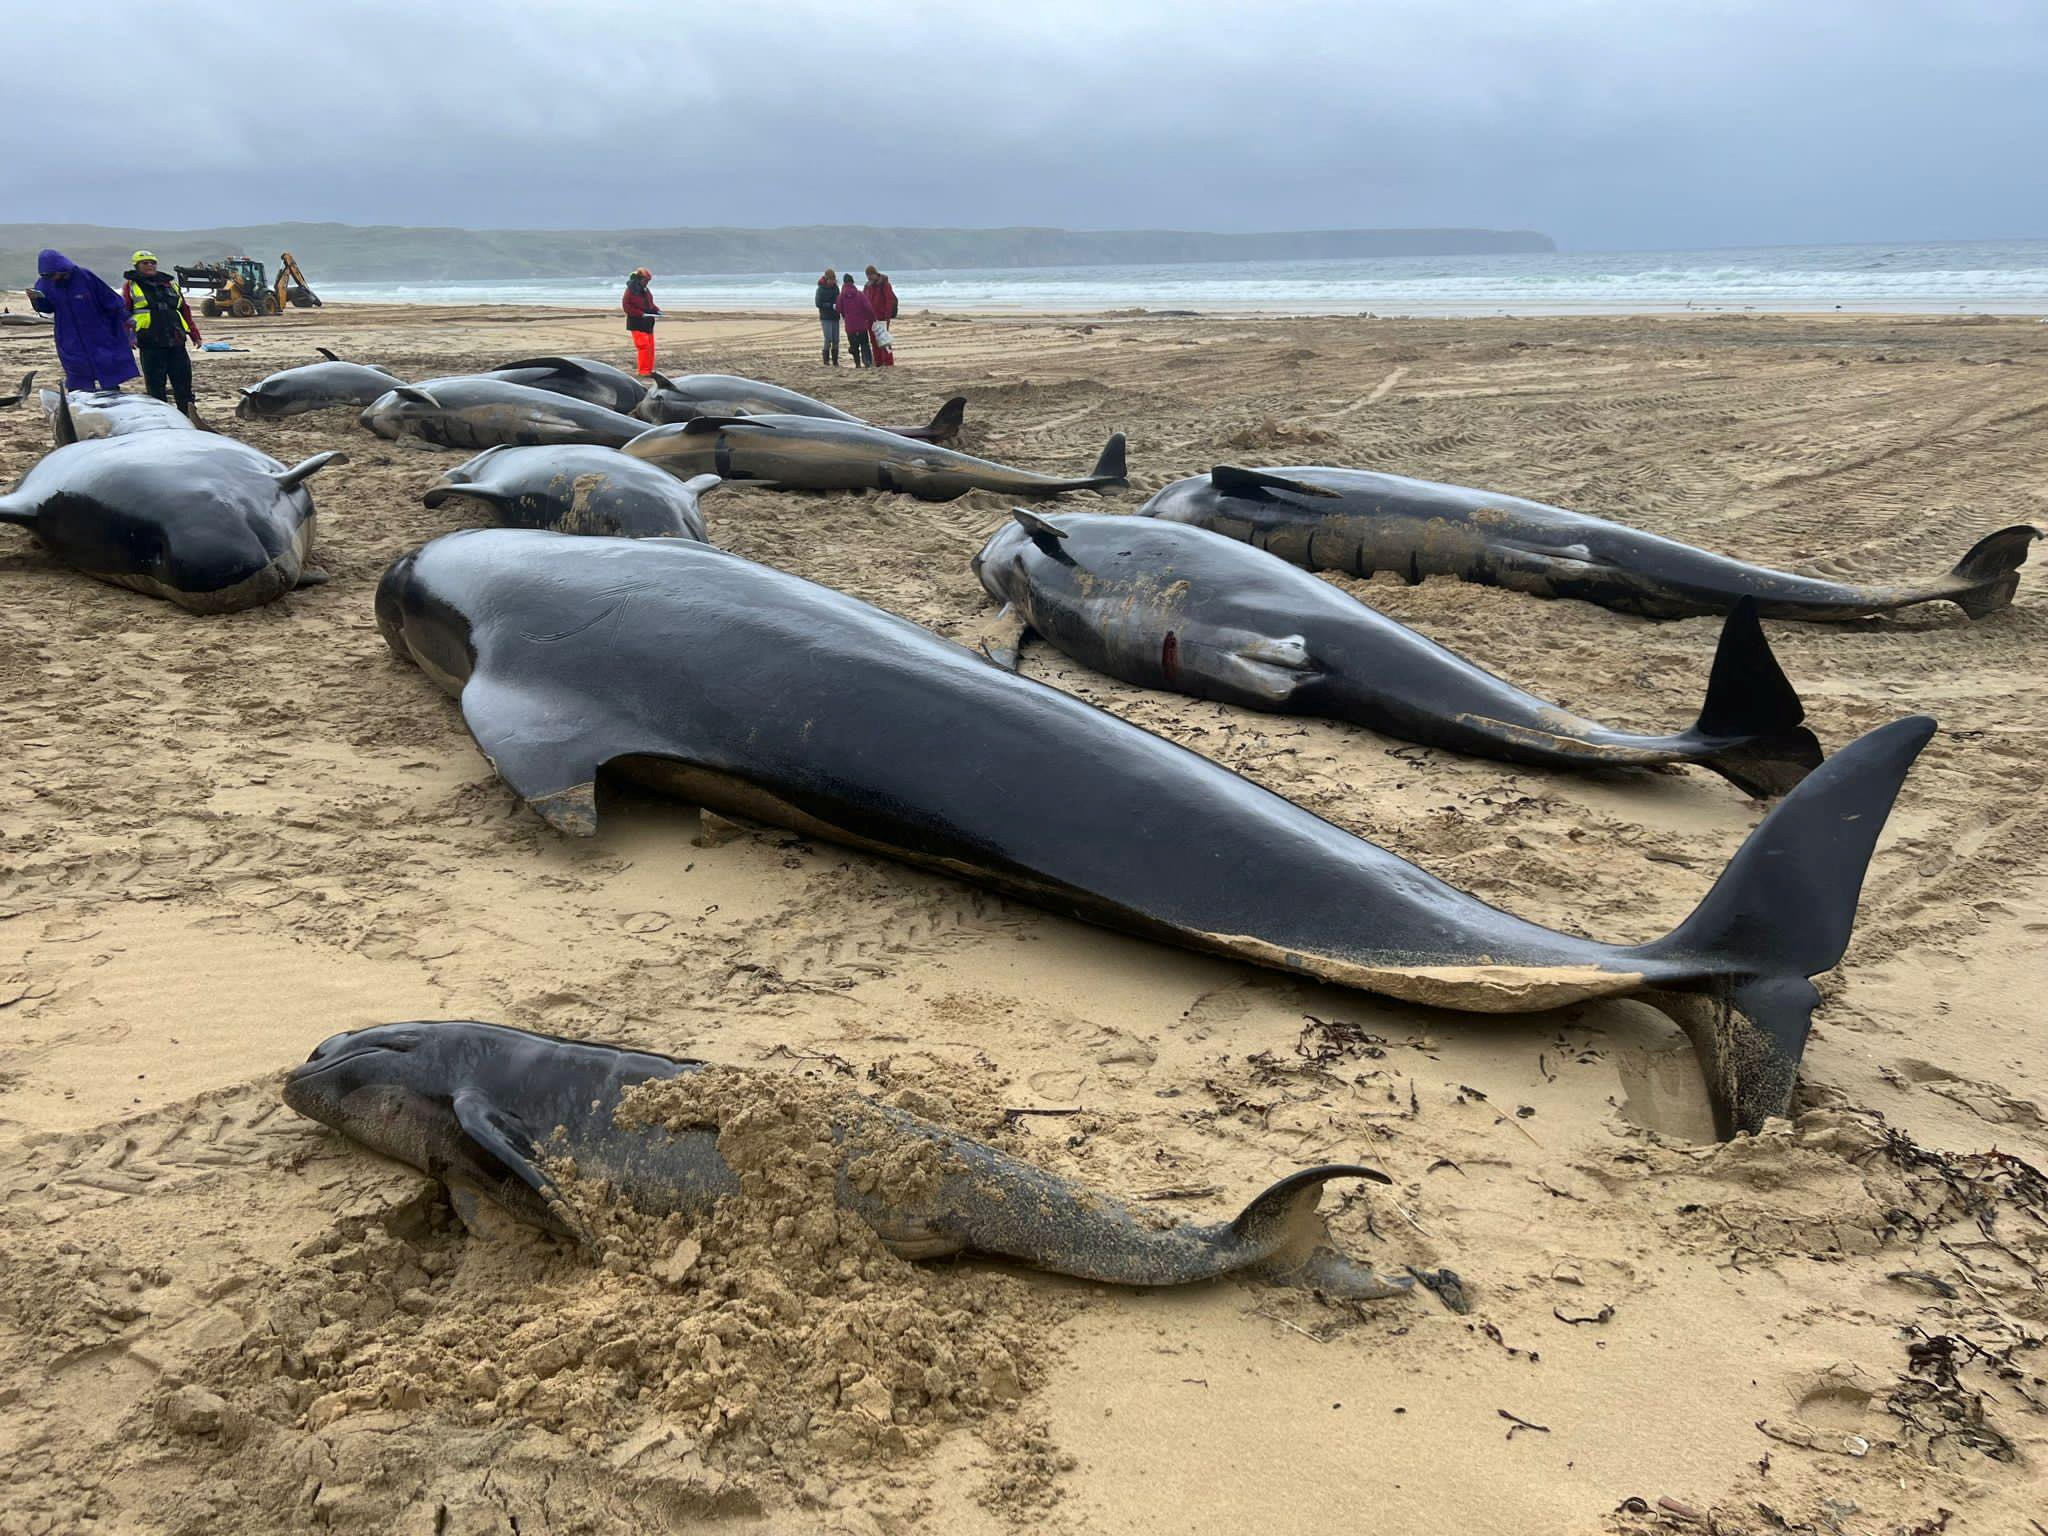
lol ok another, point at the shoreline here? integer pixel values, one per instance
(1233, 312)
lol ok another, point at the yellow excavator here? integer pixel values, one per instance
(239, 287)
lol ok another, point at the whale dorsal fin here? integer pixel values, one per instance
(330, 354)
(662, 380)
(1253, 484)
(415, 394)
(1045, 534)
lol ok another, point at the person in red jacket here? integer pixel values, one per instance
(641, 313)
(881, 297)
(859, 316)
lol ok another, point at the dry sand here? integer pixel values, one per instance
(224, 839)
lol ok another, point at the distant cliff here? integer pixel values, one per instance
(355, 253)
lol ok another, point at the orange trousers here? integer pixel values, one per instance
(643, 349)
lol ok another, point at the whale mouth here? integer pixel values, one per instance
(340, 1052)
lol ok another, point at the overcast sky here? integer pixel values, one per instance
(1605, 123)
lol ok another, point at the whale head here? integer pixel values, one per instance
(427, 1095)
(390, 1087)
(423, 628)
(388, 414)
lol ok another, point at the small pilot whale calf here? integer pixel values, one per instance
(573, 488)
(726, 394)
(1168, 605)
(806, 453)
(314, 387)
(758, 694)
(487, 1110)
(1359, 521)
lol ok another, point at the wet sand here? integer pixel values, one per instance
(223, 839)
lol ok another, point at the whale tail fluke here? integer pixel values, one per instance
(1781, 912)
(1280, 1238)
(1752, 704)
(1992, 569)
(63, 427)
(1110, 468)
(945, 426)
(28, 384)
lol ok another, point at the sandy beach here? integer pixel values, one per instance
(222, 840)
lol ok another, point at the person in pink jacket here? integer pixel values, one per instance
(859, 316)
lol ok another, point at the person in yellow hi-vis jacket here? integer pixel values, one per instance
(163, 326)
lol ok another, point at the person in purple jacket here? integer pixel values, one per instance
(859, 316)
(92, 323)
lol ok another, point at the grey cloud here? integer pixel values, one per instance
(1603, 122)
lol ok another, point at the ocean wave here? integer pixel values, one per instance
(1996, 275)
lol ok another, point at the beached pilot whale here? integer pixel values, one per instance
(1359, 521)
(580, 378)
(758, 694)
(80, 415)
(474, 411)
(577, 489)
(804, 453)
(485, 1109)
(314, 387)
(1165, 605)
(200, 519)
(726, 394)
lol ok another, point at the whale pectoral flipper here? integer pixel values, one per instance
(510, 1144)
(1269, 667)
(1047, 536)
(556, 772)
(698, 425)
(1001, 639)
(1256, 484)
(299, 473)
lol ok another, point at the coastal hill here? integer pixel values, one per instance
(381, 253)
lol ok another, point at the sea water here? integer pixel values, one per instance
(1978, 276)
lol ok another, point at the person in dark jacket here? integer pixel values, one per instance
(91, 323)
(641, 313)
(163, 326)
(881, 295)
(855, 311)
(828, 316)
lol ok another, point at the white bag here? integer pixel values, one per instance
(880, 334)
